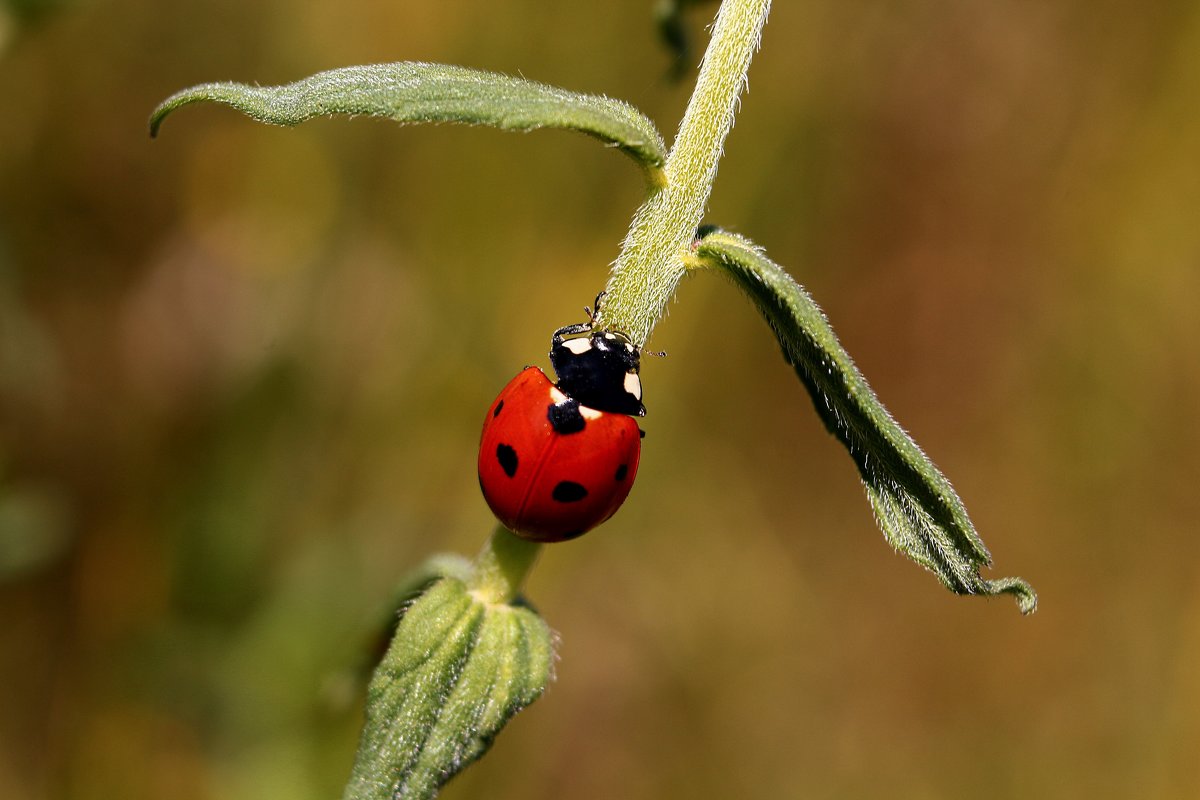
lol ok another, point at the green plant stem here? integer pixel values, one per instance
(651, 262)
(501, 567)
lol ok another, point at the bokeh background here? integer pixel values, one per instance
(242, 371)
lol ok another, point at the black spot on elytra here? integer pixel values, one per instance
(641, 434)
(499, 406)
(568, 492)
(565, 417)
(507, 457)
(622, 471)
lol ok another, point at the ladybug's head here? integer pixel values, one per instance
(600, 370)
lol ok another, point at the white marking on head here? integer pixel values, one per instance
(556, 396)
(633, 385)
(578, 346)
(590, 413)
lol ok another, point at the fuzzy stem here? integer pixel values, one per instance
(651, 261)
(501, 567)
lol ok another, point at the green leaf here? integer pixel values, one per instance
(917, 508)
(409, 92)
(410, 587)
(433, 569)
(457, 670)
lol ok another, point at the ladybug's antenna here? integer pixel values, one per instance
(592, 316)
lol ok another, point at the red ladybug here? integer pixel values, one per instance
(556, 460)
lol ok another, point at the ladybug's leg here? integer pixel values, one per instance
(569, 330)
(581, 327)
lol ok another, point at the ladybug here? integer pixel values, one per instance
(557, 459)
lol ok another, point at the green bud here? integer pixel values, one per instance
(458, 668)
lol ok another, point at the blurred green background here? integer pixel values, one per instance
(242, 373)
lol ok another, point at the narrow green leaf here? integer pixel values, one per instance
(917, 508)
(410, 92)
(457, 670)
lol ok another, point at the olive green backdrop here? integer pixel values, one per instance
(243, 370)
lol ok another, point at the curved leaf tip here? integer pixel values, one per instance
(1019, 588)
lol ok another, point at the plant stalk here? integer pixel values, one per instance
(502, 566)
(651, 262)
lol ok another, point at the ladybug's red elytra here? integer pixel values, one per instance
(556, 460)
